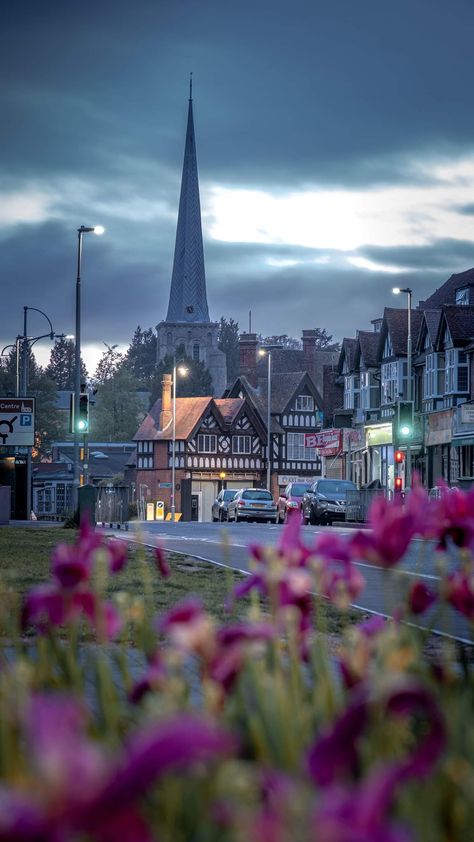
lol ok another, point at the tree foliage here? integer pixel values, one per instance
(108, 365)
(283, 340)
(61, 367)
(119, 408)
(140, 357)
(196, 383)
(228, 342)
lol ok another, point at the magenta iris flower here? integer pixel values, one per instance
(161, 562)
(460, 592)
(453, 518)
(334, 755)
(420, 598)
(392, 528)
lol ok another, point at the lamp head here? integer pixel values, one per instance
(98, 229)
(398, 290)
(182, 370)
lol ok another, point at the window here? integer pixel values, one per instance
(196, 352)
(466, 468)
(462, 296)
(296, 450)
(305, 403)
(145, 455)
(456, 372)
(206, 443)
(241, 444)
(145, 447)
(432, 382)
(390, 382)
(351, 391)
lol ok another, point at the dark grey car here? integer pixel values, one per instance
(252, 504)
(326, 501)
(220, 504)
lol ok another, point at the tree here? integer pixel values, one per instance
(285, 341)
(50, 426)
(228, 342)
(119, 409)
(324, 340)
(109, 364)
(62, 365)
(196, 383)
(140, 358)
(8, 374)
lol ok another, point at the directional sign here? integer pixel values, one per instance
(17, 422)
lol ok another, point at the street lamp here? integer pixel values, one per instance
(264, 352)
(183, 371)
(98, 229)
(409, 292)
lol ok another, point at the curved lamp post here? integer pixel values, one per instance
(84, 229)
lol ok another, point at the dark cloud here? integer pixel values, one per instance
(344, 94)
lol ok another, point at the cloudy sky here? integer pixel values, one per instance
(335, 148)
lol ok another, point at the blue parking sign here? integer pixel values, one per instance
(25, 420)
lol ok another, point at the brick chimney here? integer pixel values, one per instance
(309, 350)
(248, 357)
(166, 413)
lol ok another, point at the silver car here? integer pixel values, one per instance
(252, 504)
(220, 504)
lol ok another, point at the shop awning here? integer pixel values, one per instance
(462, 442)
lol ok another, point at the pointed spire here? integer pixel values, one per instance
(191, 86)
(188, 298)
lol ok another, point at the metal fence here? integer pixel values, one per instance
(112, 504)
(358, 503)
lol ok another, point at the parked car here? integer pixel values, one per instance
(326, 501)
(290, 499)
(252, 504)
(220, 504)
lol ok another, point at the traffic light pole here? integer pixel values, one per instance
(77, 371)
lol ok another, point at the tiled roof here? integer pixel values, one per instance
(229, 408)
(188, 413)
(347, 352)
(460, 321)
(446, 293)
(283, 360)
(369, 343)
(432, 319)
(333, 394)
(396, 323)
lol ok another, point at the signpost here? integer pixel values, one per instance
(17, 422)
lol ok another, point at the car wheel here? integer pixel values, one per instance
(312, 517)
(221, 516)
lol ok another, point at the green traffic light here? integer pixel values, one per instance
(82, 426)
(405, 430)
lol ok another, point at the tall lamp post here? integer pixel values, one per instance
(98, 229)
(409, 292)
(183, 371)
(264, 352)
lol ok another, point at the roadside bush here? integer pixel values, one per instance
(246, 730)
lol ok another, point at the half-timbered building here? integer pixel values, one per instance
(216, 443)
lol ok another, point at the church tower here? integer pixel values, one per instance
(187, 321)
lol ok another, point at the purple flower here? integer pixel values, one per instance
(392, 528)
(161, 562)
(453, 518)
(335, 753)
(420, 598)
(291, 546)
(118, 555)
(460, 592)
(153, 678)
(70, 566)
(184, 612)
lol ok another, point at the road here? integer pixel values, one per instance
(226, 545)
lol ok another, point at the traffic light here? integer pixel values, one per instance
(399, 456)
(83, 419)
(398, 484)
(405, 420)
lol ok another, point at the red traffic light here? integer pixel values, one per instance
(399, 456)
(398, 483)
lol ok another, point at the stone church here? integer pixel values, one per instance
(187, 321)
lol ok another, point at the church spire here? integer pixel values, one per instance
(188, 298)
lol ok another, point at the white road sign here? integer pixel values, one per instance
(17, 422)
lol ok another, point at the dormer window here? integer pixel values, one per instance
(305, 403)
(462, 296)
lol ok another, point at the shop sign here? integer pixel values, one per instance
(467, 413)
(439, 427)
(378, 434)
(327, 442)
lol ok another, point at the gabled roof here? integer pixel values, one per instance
(347, 354)
(446, 294)
(395, 323)
(283, 389)
(460, 321)
(366, 349)
(189, 415)
(428, 326)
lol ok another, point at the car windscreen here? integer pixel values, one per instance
(256, 494)
(229, 495)
(335, 489)
(299, 488)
